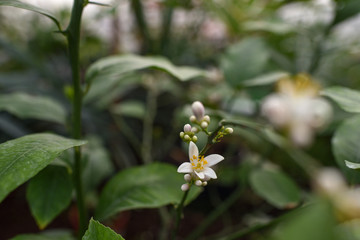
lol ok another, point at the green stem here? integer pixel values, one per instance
(142, 25)
(166, 27)
(73, 37)
(179, 211)
(151, 105)
(215, 214)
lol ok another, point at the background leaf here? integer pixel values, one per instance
(23, 158)
(23, 105)
(97, 231)
(244, 61)
(46, 235)
(49, 193)
(314, 222)
(116, 66)
(27, 6)
(275, 187)
(345, 146)
(98, 165)
(347, 99)
(148, 186)
(135, 109)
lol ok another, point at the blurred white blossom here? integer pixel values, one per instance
(330, 184)
(297, 108)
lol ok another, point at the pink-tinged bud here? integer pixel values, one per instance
(187, 128)
(198, 110)
(185, 187)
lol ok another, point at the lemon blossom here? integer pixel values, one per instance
(297, 108)
(199, 166)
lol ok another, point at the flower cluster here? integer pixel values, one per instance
(297, 108)
(198, 170)
(345, 200)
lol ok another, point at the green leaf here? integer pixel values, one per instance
(265, 79)
(27, 6)
(244, 61)
(49, 193)
(347, 99)
(346, 10)
(23, 158)
(148, 186)
(314, 222)
(23, 105)
(345, 146)
(97, 231)
(46, 235)
(98, 164)
(135, 109)
(117, 66)
(275, 187)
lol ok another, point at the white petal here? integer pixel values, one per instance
(210, 173)
(185, 168)
(193, 150)
(201, 175)
(213, 159)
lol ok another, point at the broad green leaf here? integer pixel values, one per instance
(148, 186)
(97, 231)
(346, 10)
(275, 187)
(105, 90)
(30, 7)
(116, 66)
(347, 99)
(345, 146)
(135, 109)
(46, 235)
(24, 157)
(23, 105)
(49, 193)
(245, 60)
(314, 222)
(265, 79)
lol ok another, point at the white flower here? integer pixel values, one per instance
(297, 108)
(199, 166)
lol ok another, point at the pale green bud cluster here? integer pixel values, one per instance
(189, 134)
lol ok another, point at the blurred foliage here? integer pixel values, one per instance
(142, 72)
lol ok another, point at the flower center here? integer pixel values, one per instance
(198, 163)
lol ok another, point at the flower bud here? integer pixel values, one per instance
(185, 187)
(192, 118)
(194, 139)
(187, 128)
(204, 124)
(198, 183)
(194, 129)
(229, 130)
(182, 134)
(187, 137)
(204, 183)
(187, 177)
(206, 118)
(198, 110)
